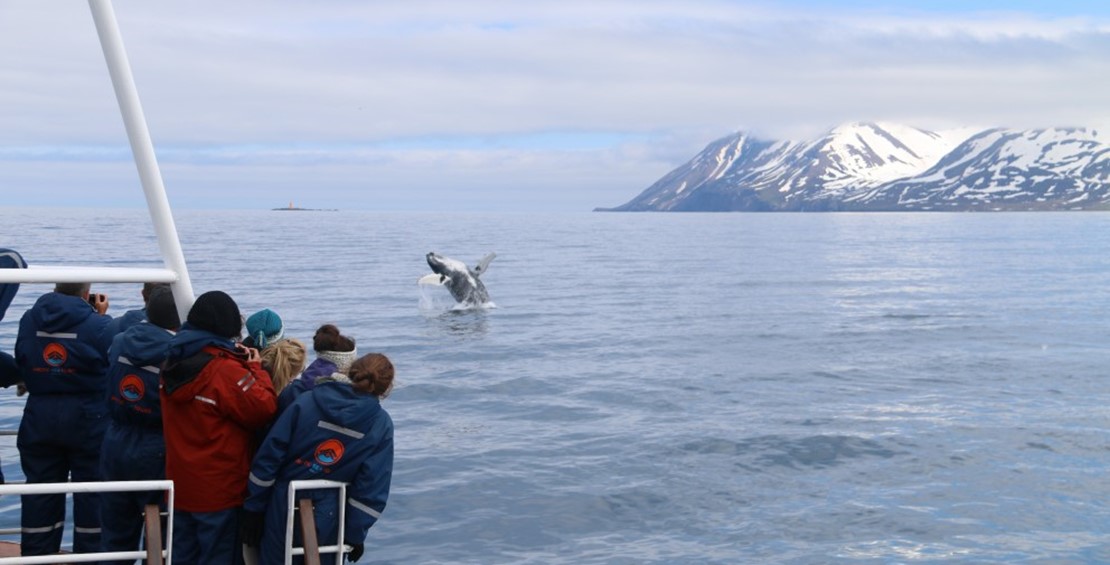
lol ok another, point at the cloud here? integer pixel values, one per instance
(431, 94)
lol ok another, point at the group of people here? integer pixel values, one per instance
(231, 420)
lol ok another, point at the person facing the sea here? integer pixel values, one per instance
(215, 398)
(284, 360)
(334, 354)
(264, 327)
(337, 431)
(134, 448)
(62, 353)
(132, 317)
(9, 369)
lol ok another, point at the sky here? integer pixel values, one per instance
(476, 106)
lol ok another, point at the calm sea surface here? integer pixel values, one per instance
(689, 388)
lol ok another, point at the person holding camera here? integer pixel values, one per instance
(62, 353)
(131, 317)
(215, 398)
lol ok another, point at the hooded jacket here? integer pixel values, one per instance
(124, 321)
(332, 432)
(135, 359)
(134, 448)
(320, 368)
(62, 347)
(213, 402)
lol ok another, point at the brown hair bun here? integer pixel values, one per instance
(328, 338)
(377, 370)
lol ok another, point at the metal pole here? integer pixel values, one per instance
(143, 149)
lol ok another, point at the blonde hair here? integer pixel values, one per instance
(284, 360)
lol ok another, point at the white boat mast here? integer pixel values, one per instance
(176, 273)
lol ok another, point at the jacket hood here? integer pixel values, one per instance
(340, 404)
(185, 359)
(143, 344)
(190, 340)
(319, 368)
(54, 312)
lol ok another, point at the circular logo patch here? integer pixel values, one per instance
(131, 388)
(55, 355)
(328, 452)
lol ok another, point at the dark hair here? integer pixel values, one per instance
(161, 310)
(377, 370)
(72, 288)
(149, 287)
(328, 338)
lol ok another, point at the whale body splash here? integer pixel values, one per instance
(464, 283)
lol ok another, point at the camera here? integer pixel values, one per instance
(93, 298)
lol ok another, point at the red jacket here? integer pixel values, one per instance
(211, 423)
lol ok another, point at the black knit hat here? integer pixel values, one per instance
(161, 309)
(216, 312)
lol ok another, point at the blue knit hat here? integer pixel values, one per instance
(265, 327)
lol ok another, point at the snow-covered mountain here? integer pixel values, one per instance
(883, 166)
(1044, 169)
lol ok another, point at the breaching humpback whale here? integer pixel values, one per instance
(461, 281)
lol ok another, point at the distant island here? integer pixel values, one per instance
(292, 208)
(890, 167)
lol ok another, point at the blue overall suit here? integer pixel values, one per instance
(332, 432)
(9, 370)
(62, 352)
(134, 448)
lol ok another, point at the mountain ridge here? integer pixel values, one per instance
(882, 166)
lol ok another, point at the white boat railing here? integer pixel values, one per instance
(94, 487)
(175, 272)
(142, 148)
(57, 274)
(339, 547)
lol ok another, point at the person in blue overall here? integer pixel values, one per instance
(62, 352)
(131, 317)
(338, 431)
(134, 448)
(9, 370)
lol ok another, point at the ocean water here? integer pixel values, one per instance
(689, 388)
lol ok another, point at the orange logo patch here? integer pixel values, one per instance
(132, 388)
(55, 355)
(329, 452)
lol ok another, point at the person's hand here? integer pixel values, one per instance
(250, 528)
(99, 302)
(356, 552)
(20, 388)
(252, 354)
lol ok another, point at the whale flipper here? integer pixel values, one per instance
(432, 278)
(484, 263)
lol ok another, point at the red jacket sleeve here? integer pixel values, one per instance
(246, 394)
